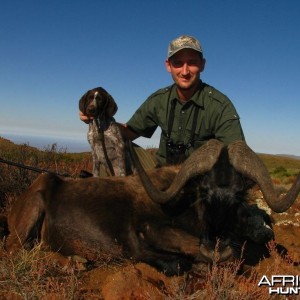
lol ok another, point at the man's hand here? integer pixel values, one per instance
(126, 132)
(85, 118)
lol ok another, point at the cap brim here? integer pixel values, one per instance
(186, 47)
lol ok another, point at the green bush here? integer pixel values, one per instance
(282, 172)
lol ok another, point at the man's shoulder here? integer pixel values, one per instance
(214, 94)
(161, 92)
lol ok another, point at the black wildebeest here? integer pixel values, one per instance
(189, 209)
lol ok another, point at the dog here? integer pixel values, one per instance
(104, 135)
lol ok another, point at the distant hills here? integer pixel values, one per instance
(271, 160)
(289, 156)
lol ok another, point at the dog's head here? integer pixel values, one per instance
(97, 101)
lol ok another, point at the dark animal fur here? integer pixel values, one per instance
(114, 214)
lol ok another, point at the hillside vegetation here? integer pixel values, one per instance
(38, 274)
(61, 161)
(52, 157)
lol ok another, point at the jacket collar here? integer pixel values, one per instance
(196, 98)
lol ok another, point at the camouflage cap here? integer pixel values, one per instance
(183, 42)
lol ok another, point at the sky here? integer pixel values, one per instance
(52, 52)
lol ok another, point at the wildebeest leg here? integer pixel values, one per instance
(170, 239)
(24, 226)
(166, 262)
(26, 217)
(141, 249)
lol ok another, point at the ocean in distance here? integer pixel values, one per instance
(70, 145)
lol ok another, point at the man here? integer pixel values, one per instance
(189, 112)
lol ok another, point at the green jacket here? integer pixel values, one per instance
(216, 118)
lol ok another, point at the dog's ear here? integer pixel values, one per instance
(83, 102)
(111, 107)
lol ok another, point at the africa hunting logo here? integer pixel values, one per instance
(281, 284)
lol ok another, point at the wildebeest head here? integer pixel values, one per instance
(222, 177)
(97, 101)
(223, 196)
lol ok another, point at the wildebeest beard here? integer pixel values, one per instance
(223, 193)
(224, 215)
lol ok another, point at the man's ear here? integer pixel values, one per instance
(203, 65)
(168, 65)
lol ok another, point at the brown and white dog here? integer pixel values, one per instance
(104, 135)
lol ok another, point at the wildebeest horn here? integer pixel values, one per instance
(245, 161)
(201, 161)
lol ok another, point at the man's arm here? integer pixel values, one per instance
(127, 133)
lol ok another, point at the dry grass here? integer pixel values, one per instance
(14, 180)
(228, 282)
(35, 274)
